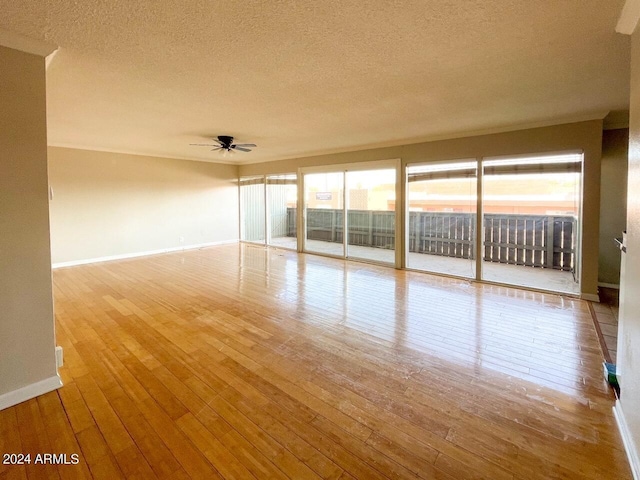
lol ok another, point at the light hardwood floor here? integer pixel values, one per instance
(240, 362)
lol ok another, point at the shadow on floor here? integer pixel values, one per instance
(606, 316)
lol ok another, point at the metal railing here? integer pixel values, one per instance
(529, 240)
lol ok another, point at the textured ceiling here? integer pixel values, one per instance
(300, 77)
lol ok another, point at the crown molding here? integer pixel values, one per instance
(138, 153)
(586, 117)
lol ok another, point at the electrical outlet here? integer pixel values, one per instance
(181, 239)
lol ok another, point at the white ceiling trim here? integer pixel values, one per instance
(600, 115)
(139, 154)
(26, 44)
(629, 17)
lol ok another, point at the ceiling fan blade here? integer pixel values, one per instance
(216, 148)
(245, 145)
(242, 149)
(203, 144)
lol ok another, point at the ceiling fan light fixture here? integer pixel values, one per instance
(225, 144)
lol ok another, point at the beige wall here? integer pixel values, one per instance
(27, 347)
(585, 136)
(629, 326)
(109, 204)
(613, 202)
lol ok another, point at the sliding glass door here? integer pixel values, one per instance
(531, 221)
(268, 210)
(282, 198)
(512, 220)
(324, 209)
(441, 228)
(359, 200)
(371, 216)
(252, 210)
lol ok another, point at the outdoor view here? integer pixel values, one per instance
(529, 234)
(370, 214)
(531, 211)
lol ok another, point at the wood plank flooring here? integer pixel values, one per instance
(241, 362)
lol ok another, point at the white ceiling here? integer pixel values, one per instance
(303, 77)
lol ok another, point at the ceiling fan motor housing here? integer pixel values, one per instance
(225, 140)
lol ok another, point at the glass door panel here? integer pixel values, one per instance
(442, 205)
(324, 204)
(530, 220)
(252, 210)
(371, 217)
(282, 198)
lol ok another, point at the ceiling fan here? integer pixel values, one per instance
(225, 144)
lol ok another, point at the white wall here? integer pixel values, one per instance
(27, 347)
(110, 204)
(629, 325)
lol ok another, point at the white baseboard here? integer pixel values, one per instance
(86, 261)
(615, 286)
(627, 441)
(59, 357)
(592, 297)
(30, 391)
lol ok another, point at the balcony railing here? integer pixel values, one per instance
(546, 241)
